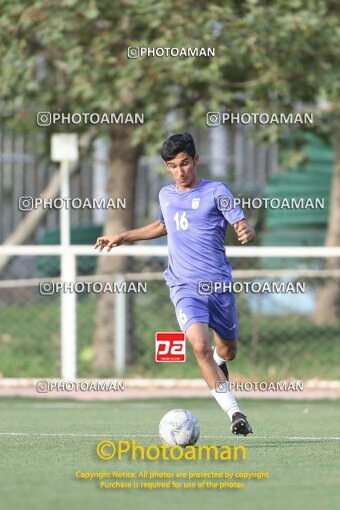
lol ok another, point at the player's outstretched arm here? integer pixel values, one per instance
(151, 231)
(245, 232)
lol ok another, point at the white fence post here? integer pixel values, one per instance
(68, 275)
(64, 148)
(68, 319)
(120, 336)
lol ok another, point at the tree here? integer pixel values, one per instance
(269, 56)
(326, 310)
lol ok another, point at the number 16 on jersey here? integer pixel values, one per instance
(181, 221)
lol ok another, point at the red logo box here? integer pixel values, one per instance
(170, 346)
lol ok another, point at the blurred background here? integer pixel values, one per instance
(72, 57)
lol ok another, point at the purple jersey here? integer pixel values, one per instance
(196, 221)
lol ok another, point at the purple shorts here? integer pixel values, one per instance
(218, 310)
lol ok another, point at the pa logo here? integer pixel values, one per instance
(195, 203)
(170, 346)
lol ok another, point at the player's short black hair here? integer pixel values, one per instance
(175, 144)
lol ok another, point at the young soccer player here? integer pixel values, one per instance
(194, 214)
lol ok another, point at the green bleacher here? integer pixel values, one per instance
(311, 181)
(300, 227)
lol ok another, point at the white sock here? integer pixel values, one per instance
(217, 357)
(227, 401)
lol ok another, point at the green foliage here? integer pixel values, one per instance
(72, 57)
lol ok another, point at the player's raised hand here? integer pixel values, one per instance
(109, 242)
(245, 232)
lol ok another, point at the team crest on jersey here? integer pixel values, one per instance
(195, 203)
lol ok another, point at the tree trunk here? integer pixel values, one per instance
(327, 301)
(123, 169)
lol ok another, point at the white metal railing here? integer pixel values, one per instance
(68, 256)
(162, 251)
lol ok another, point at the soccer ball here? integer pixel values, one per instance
(179, 427)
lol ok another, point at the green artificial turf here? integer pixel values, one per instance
(43, 444)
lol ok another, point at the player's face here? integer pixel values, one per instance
(183, 170)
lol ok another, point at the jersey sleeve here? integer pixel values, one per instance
(225, 203)
(160, 214)
(161, 217)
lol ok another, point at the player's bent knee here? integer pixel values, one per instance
(201, 349)
(228, 352)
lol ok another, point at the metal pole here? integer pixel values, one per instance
(68, 274)
(120, 331)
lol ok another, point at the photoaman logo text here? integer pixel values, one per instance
(107, 450)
